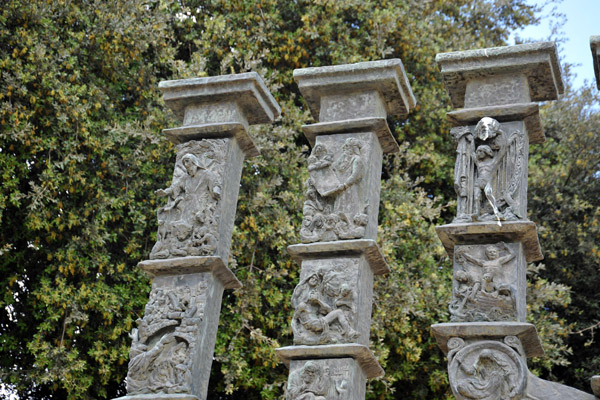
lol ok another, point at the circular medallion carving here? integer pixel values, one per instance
(487, 370)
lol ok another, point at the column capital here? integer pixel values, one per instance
(219, 106)
(465, 72)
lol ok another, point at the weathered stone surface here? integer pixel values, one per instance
(191, 265)
(361, 90)
(342, 191)
(490, 174)
(197, 219)
(595, 45)
(595, 382)
(378, 126)
(489, 283)
(529, 113)
(339, 248)
(538, 388)
(526, 333)
(332, 303)
(490, 233)
(201, 97)
(487, 369)
(333, 379)
(363, 356)
(159, 396)
(173, 344)
(502, 75)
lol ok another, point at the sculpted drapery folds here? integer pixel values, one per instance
(333, 209)
(187, 224)
(488, 172)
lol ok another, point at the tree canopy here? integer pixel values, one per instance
(81, 155)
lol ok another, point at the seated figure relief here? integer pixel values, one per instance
(314, 381)
(332, 209)
(324, 308)
(489, 170)
(480, 295)
(188, 222)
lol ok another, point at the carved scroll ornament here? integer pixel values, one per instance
(486, 370)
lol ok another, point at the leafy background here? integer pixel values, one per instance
(81, 155)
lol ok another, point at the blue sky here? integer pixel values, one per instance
(582, 21)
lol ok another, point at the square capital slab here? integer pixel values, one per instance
(381, 85)
(536, 62)
(595, 45)
(248, 91)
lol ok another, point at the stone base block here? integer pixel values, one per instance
(361, 354)
(331, 379)
(492, 232)
(367, 247)
(541, 389)
(191, 265)
(525, 332)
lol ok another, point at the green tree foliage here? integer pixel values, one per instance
(81, 155)
(565, 202)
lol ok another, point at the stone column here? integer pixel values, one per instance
(172, 349)
(491, 240)
(595, 46)
(339, 256)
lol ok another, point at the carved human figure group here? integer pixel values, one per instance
(332, 209)
(324, 307)
(315, 382)
(161, 344)
(187, 224)
(481, 296)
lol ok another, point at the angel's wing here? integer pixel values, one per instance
(509, 171)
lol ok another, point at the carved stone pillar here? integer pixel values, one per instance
(595, 46)
(173, 344)
(491, 239)
(339, 256)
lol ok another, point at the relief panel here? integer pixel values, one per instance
(188, 222)
(485, 283)
(328, 379)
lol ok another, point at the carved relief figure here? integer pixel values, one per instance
(187, 224)
(308, 383)
(324, 308)
(333, 209)
(480, 295)
(488, 172)
(319, 380)
(160, 359)
(491, 377)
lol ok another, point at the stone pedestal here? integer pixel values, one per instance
(339, 257)
(595, 46)
(172, 349)
(491, 239)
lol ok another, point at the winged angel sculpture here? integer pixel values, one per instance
(488, 173)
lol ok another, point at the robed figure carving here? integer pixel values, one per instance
(489, 172)
(333, 209)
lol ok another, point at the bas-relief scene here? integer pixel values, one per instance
(484, 284)
(163, 342)
(335, 208)
(322, 380)
(325, 303)
(490, 172)
(188, 222)
(490, 370)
